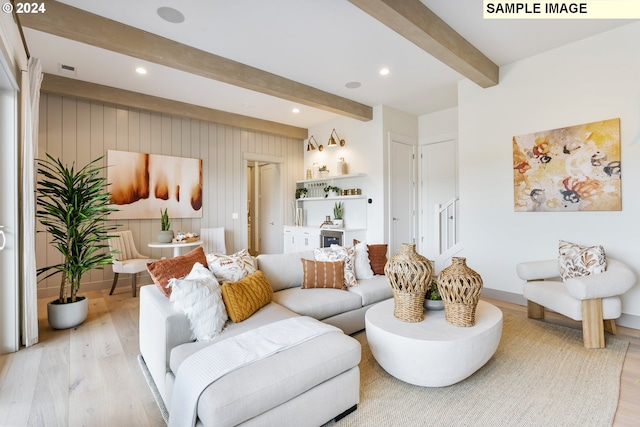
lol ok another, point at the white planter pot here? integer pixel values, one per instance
(431, 304)
(165, 236)
(338, 222)
(65, 316)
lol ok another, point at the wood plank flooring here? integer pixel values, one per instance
(89, 376)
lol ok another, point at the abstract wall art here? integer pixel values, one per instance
(142, 184)
(574, 168)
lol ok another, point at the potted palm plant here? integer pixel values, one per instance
(73, 205)
(337, 214)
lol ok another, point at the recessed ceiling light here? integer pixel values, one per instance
(141, 70)
(170, 14)
(384, 71)
(353, 85)
(296, 110)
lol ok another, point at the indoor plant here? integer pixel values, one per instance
(72, 205)
(432, 300)
(301, 193)
(331, 191)
(323, 171)
(165, 235)
(337, 214)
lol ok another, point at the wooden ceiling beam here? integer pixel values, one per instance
(418, 24)
(64, 86)
(75, 24)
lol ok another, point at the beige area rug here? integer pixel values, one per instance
(541, 375)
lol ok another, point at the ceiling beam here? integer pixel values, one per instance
(418, 24)
(64, 86)
(75, 24)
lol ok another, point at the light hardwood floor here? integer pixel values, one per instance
(89, 376)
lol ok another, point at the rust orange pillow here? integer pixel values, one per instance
(322, 274)
(163, 270)
(377, 257)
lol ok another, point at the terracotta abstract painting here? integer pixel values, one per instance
(142, 184)
(575, 168)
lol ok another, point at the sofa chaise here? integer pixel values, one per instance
(305, 385)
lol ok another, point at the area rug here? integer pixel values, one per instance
(541, 375)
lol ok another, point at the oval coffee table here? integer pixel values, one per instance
(432, 353)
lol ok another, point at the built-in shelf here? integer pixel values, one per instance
(311, 199)
(332, 178)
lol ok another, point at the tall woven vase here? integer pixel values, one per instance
(460, 289)
(409, 274)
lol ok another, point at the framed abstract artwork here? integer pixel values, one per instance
(142, 184)
(575, 168)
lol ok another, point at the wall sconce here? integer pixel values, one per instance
(332, 140)
(311, 146)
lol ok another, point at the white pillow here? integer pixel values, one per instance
(231, 268)
(339, 253)
(362, 263)
(199, 296)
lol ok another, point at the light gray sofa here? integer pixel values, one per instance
(306, 385)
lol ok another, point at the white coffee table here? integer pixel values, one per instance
(432, 353)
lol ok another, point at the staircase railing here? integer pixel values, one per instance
(448, 239)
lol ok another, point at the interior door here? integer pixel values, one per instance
(402, 194)
(269, 211)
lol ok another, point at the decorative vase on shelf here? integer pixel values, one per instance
(324, 174)
(459, 288)
(409, 274)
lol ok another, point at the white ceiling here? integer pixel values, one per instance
(324, 44)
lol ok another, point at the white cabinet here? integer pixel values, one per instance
(298, 239)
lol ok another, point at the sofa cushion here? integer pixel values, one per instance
(246, 296)
(339, 253)
(283, 270)
(378, 257)
(373, 290)
(163, 270)
(577, 261)
(231, 268)
(362, 264)
(198, 296)
(320, 274)
(318, 303)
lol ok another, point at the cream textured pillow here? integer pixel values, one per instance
(362, 263)
(246, 296)
(198, 296)
(339, 253)
(231, 268)
(577, 261)
(321, 274)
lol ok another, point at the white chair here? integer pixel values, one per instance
(592, 299)
(127, 258)
(213, 240)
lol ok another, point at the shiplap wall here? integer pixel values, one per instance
(80, 131)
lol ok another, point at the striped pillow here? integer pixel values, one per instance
(321, 274)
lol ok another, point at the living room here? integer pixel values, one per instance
(588, 80)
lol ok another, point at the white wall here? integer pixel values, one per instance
(590, 80)
(365, 151)
(443, 122)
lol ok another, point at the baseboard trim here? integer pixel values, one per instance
(626, 320)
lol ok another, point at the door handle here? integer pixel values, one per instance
(396, 219)
(271, 223)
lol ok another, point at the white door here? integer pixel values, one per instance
(269, 211)
(438, 173)
(402, 194)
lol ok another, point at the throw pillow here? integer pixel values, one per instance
(339, 253)
(198, 296)
(231, 268)
(246, 296)
(163, 270)
(576, 261)
(320, 274)
(378, 257)
(362, 263)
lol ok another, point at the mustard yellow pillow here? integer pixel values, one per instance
(246, 296)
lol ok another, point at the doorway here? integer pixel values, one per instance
(264, 219)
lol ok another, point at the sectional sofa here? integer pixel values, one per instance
(305, 385)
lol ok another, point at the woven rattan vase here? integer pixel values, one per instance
(409, 274)
(460, 289)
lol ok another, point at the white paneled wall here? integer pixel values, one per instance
(77, 130)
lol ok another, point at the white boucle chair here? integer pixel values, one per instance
(592, 299)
